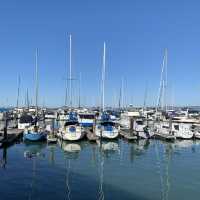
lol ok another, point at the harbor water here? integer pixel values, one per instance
(142, 170)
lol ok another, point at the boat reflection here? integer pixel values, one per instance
(179, 144)
(108, 147)
(34, 149)
(70, 149)
(138, 148)
(51, 149)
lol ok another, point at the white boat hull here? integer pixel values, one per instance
(107, 134)
(68, 135)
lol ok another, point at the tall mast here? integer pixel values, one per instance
(103, 75)
(70, 69)
(27, 98)
(79, 91)
(145, 97)
(163, 81)
(36, 81)
(166, 59)
(18, 90)
(121, 93)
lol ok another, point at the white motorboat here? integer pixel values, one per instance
(182, 130)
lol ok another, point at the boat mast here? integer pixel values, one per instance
(121, 94)
(103, 75)
(166, 59)
(163, 81)
(18, 90)
(79, 95)
(27, 98)
(145, 97)
(36, 82)
(70, 69)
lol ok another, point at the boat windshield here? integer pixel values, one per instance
(139, 122)
(107, 123)
(68, 123)
(86, 116)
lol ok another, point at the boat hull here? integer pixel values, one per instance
(66, 134)
(35, 136)
(107, 134)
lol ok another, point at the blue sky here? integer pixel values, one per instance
(136, 33)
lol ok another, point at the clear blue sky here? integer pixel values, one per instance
(136, 33)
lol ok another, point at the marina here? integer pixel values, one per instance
(99, 100)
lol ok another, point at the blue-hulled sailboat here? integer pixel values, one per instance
(35, 132)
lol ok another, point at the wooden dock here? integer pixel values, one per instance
(12, 135)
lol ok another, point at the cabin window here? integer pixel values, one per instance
(176, 127)
(139, 122)
(165, 126)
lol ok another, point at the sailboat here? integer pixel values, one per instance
(71, 130)
(35, 132)
(163, 129)
(105, 127)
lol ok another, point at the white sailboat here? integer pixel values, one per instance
(72, 130)
(163, 129)
(105, 127)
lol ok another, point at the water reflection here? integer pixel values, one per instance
(71, 149)
(3, 160)
(104, 177)
(51, 149)
(34, 150)
(108, 147)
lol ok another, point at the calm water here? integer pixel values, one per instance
(142, 170)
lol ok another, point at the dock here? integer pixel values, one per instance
(12, 135)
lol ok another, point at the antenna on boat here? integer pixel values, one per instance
(18, 90)
(103, 75)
